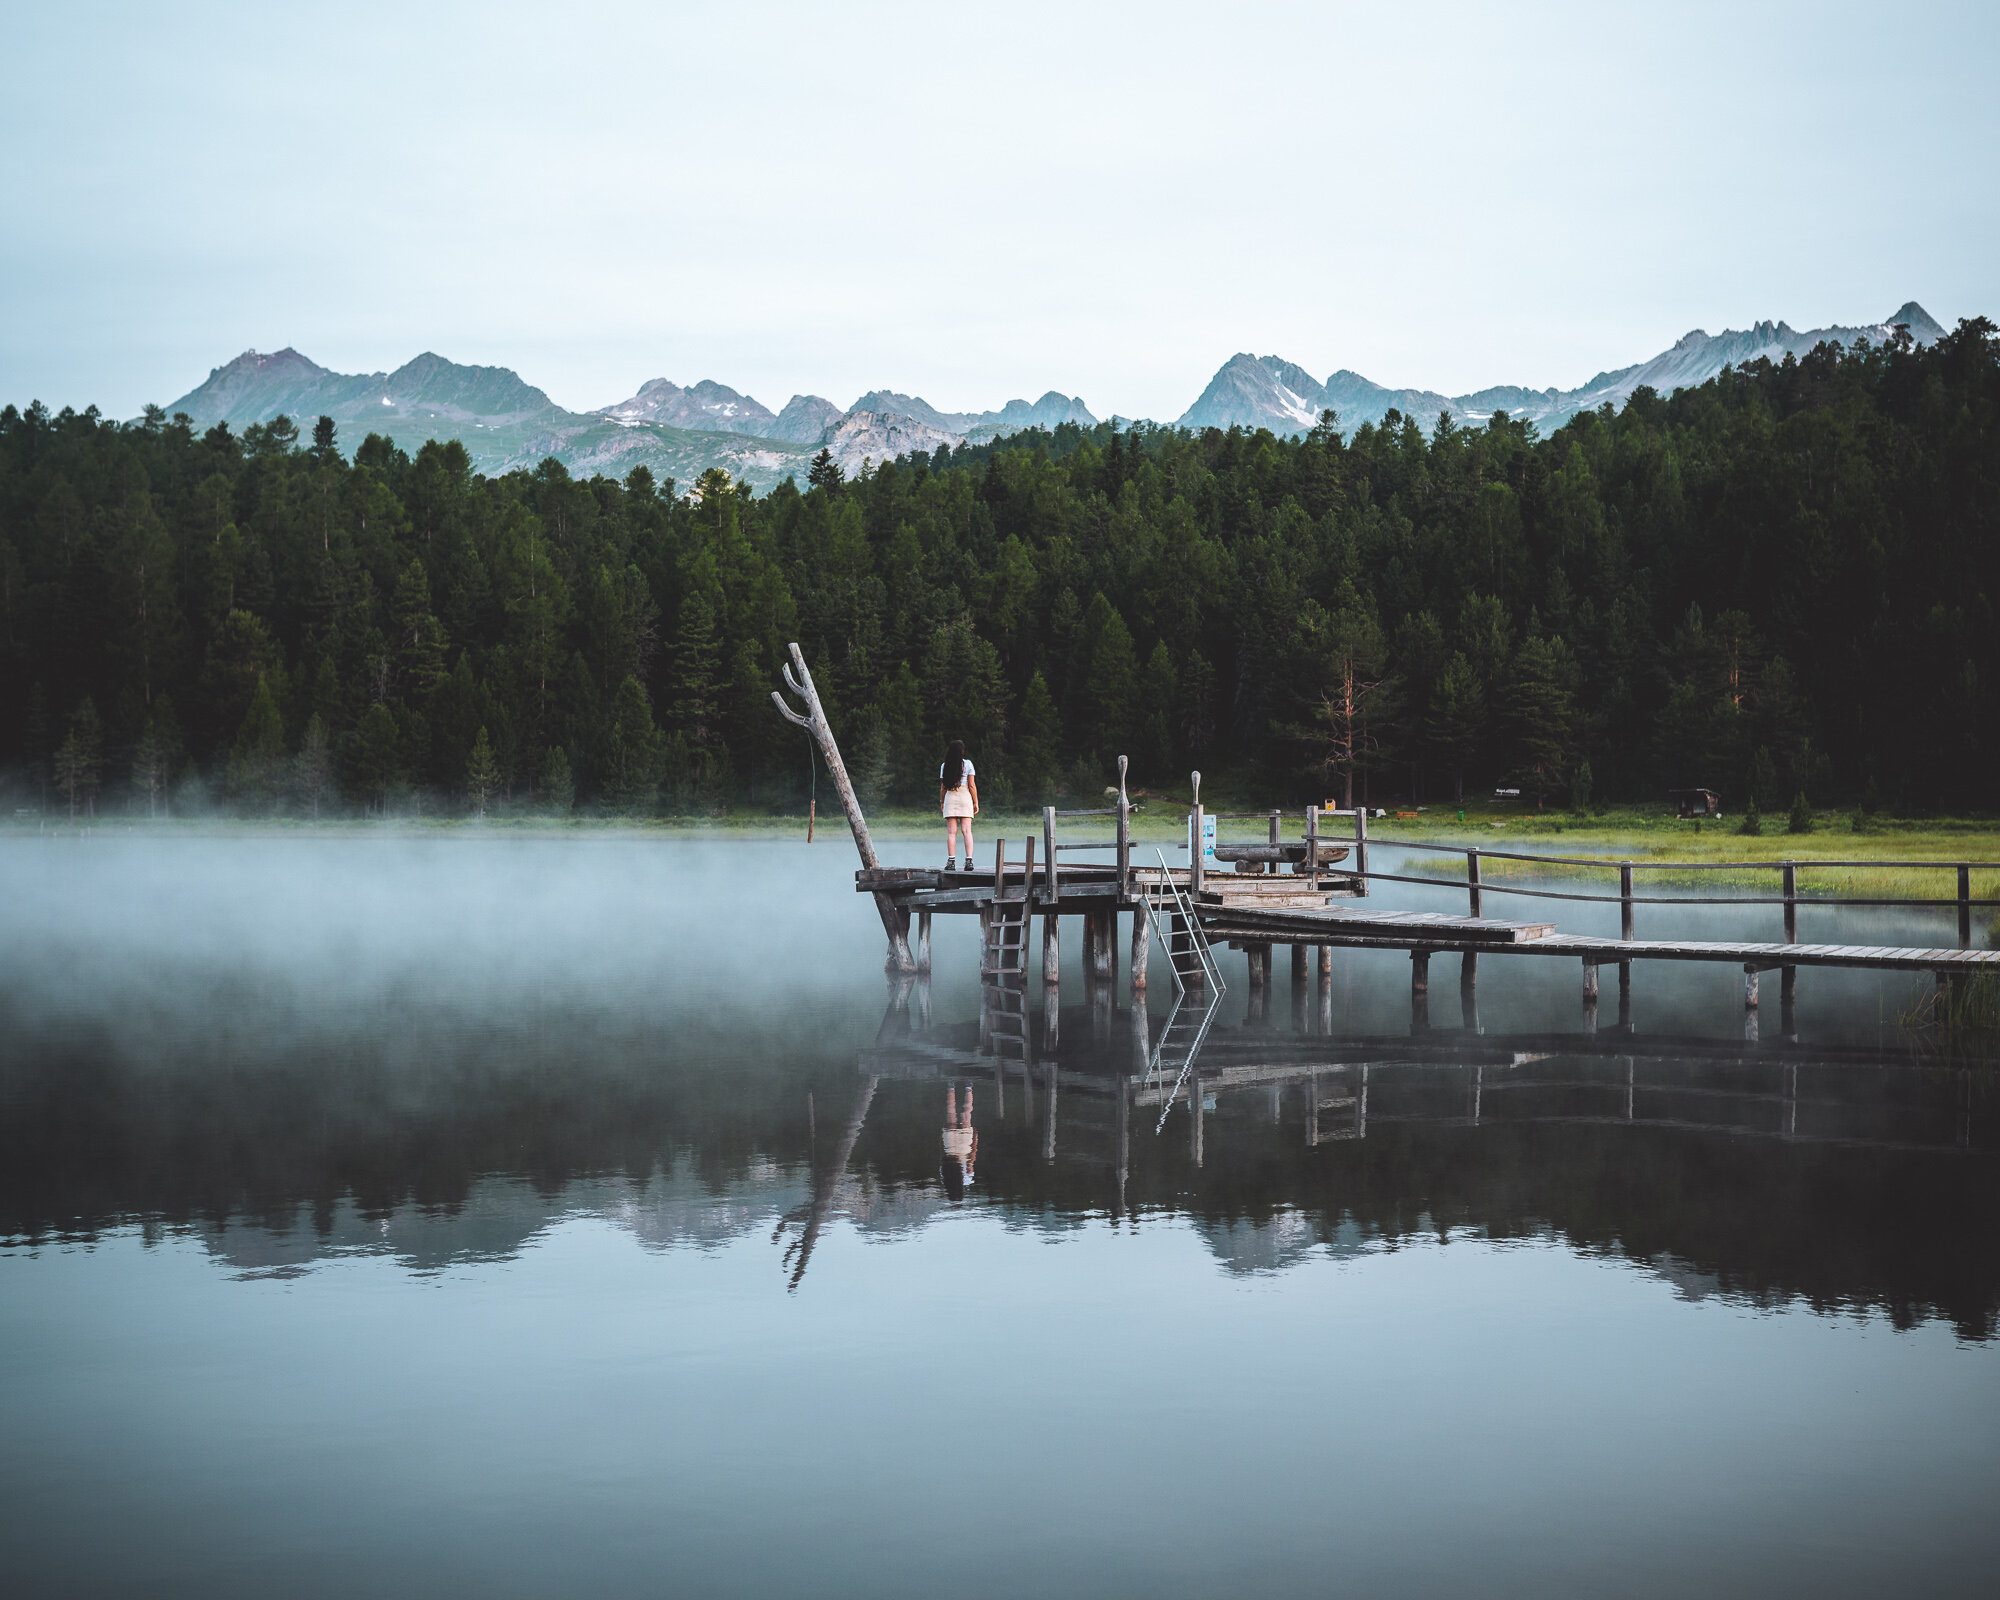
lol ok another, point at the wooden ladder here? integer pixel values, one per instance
(1005, 957)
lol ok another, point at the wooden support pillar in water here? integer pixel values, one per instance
(1299, 969)
(1142, 945)
(1259, 956)
(1326, 991)
(1750, 975)
(1468, 969)
(1049, 1113)
(1194, 1119)
(1590, 980)
(1420, 991)
(923, 941)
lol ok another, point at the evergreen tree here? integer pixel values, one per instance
(257, 758)
(79, 760)
(1457, 720)
(312, 768)
(1541, 713)
(419, 637)
(482, 774)
(1037, 744)
(824, 473)
(558, 790)
(632, 767)
(1110, 689)
(156, 756)
(374, 755)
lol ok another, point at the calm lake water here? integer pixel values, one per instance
(531, 1216)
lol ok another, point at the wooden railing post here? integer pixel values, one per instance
(999, 866)
(1965, 907)
(1124, 837)
(1028, 872)
(1625, 933)
(1473, 897)
(1791, 902)
(1052, 883)
(1361, 848)
(1312, 845)
(1277, 819)
(1194, 840)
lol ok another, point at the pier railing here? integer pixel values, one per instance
(1475, 888)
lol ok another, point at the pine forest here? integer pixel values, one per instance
(1779, 584)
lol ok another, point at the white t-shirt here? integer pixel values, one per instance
(969, 772)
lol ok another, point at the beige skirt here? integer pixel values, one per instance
(958, 802)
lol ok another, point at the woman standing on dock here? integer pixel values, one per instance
(958, 797)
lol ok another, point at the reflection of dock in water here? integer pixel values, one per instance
(1333, 1088)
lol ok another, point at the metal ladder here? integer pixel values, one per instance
(1181, 1039)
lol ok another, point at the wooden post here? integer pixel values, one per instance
(1277, 818)
(999, 866)
(1142, 944)
(1051, 950)
(1625, 923)
(815, 723)
(1260, 972)
(1420, 971)
(1473, 897)
(1361, 848)
(1791, 902)
(1750, 975)
(1194, 840)
(1312, 845)
(1590, 980)
(1124, 837)
(1298, 972)
(1965, 907)
(1028, 878)
(800, 682)
(1053, 883)
(1107, 944)
(923, 941)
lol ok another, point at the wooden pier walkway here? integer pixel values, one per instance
(1305, 892)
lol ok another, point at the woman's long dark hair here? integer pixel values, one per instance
(954, 764)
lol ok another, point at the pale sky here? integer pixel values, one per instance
(975, 203)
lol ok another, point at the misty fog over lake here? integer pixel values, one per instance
(563, 1211)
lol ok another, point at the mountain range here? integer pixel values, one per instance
(1270, 392)
(507, 423)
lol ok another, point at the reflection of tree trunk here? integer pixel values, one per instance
(826, 1183)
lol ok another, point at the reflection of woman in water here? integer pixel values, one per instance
(961, 1144)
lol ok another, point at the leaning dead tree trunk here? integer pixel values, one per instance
(895, 923)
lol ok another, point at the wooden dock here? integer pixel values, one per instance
(1307, 892)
